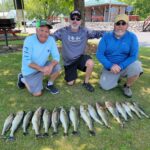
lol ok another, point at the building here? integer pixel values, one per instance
(103, 10)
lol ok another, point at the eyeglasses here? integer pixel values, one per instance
(120, 23)
(74, 18)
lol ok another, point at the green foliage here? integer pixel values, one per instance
(43, 8)
(141, 7)
(135, 135)
(7, 5)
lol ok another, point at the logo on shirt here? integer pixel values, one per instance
(74, 39)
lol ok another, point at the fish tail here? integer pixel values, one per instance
(92, 133)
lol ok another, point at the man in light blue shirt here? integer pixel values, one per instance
(35, 61)
(118, 53)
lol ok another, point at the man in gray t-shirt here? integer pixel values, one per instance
(74, 40)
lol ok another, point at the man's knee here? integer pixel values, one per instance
(37, 94)
(90, 63)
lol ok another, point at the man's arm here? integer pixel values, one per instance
(100, 54)
(134, 49)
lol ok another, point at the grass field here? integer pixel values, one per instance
(135, 135)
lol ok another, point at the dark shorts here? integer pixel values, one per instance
(71, 70)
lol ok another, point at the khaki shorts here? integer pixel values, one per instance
(109, 80)
(35, 80)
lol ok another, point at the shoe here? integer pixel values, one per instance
(127, 91)
(88, 87)
(52, 89)
(20, 84)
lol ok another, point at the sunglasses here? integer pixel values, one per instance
(120, 23)
(74, 18)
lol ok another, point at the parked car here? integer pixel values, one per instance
(31, 23)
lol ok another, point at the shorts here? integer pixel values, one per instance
(109, 80)
(34, 81)
(71, 70)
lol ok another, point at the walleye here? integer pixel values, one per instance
(73, 114)
(15, 124)
(121, 110)
(36, 121)
(102, 113)
(7, 124)
(93, 114)
(55, 120)
(132, 107)
(111, 108)
(86, 117)
(26, 121)
(127, 109)
(64, 120)
(137, 107)
(46, 121)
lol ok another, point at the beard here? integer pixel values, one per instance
(119, 33)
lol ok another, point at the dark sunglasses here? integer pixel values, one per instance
(74, 18)
(120, 23)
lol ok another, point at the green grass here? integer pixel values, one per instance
(135, 135)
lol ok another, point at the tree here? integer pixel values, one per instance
(79, 5)
(141, 7)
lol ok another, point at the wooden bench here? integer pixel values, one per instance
(10, 31)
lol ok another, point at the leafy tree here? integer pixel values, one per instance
(141, 7)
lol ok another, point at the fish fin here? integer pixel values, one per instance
(92, 133)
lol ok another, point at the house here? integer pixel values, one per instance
(103, 10)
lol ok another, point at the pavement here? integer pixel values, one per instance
(143, 37)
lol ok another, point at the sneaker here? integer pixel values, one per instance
(88, 87)
(20, 84)
(127, 91)
(52, 89)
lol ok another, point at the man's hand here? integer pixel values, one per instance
(47, 70)
(115, 69)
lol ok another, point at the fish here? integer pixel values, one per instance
(87, 119)
(46, 121)
(102, 113)
(127, 109)
(36, 122)
(132, 107)
(55, 120)
(26, 122)
(140, 110)
(64, 120)
(73, 115)
(121, 110)
(93, 114)
(7, 124)
(112, 109)
(15, 124)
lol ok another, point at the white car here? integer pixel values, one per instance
(31, 23)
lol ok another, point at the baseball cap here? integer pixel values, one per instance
(41, 23)
(75, 13)
(122, 17)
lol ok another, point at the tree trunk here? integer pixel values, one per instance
(79, 5)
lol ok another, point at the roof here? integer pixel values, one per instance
(102, 2)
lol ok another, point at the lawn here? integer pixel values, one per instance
(135, 135)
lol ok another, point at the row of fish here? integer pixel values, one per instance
(119, 110)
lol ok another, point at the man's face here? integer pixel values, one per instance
(120, 28)
(42, 33)
(75, 22)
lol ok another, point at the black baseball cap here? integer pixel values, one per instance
(75, 13)
(41, 23)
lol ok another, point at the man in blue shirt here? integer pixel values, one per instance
(35, 61)
(118, 53)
